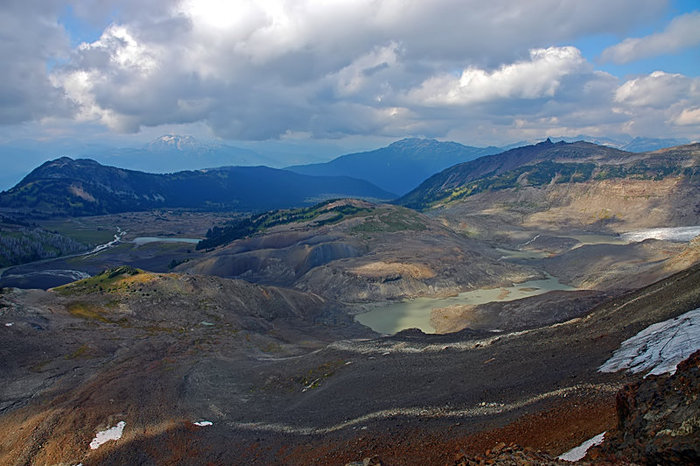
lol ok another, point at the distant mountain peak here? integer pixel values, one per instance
(423, 143)
(59, 162)
(411, 142)
(400, 166)
(173, 142)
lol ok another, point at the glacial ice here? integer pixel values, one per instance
(659, 347)
(667, 234)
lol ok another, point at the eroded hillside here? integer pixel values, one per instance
(197, 369)
(578, 211)
(356, 251)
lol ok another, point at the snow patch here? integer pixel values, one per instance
(112, 433)
(659, 347)
(203, 423)
(579, 452)
(666, 234)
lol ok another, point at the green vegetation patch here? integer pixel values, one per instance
(243, 228)
(175, 262)
(111, 280)
(84, 234)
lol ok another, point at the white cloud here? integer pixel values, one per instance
(352, 78)
(659, 104)
(538, 77)
(259, 70)
(657, 90)
(689, 117)
(31, 39)
(682, 32)
(118, 43)
(116, 54)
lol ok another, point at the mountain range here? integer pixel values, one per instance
(548, 163)
(399, 167)
(506, 312)
(85, 187)
(623, 142)
(416, 159)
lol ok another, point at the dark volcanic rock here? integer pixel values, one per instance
(659, 419)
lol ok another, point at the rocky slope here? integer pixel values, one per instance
(283, 377)
(548, 164)
(549, 189)
(568, 208)
(375, 252)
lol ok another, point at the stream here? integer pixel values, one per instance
(49, 278)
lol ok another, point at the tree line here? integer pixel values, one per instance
(22, 245)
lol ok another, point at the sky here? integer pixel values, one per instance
(325, 77)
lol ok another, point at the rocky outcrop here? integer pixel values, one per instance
(659, 419)
(510, 455)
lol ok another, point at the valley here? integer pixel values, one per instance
(350, 233)
(334, 331)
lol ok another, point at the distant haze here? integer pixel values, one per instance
(171, 153)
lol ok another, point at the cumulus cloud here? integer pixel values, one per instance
(540, 76)
(330, 69)
(682, 32)
(659, 102)
(657, 90)
(258, 70)
(31, 40)
(688, 117)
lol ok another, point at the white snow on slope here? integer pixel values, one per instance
(579, 452)
(667, 234)
(203, 423)
(113, 433)
(659, 347)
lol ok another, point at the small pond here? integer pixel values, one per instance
(389, 318)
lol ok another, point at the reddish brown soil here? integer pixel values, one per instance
(555, 430)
